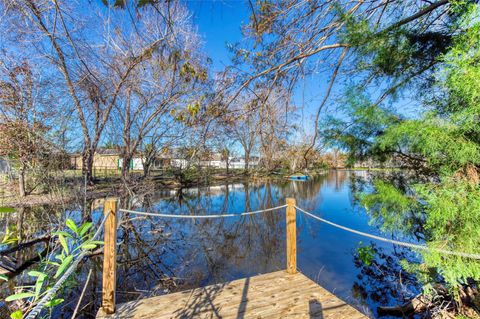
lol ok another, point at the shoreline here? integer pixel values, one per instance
(114, 186)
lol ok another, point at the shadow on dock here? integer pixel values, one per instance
(315, 309)
(272, 295)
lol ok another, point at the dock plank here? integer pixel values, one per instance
(272, 295)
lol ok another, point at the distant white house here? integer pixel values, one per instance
(135, 164)
(233, 162)
(112, 159)
(178, 162)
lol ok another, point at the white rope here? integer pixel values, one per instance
(51, 292)
(202, 216)
(396, 242)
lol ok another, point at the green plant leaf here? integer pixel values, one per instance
(3, 277)
(71, 224)
(63, 242)
(40, 280)
(88, 246)
(63, 266)
(54, 302)
(98, 242)
(35, 273)
(64, 233)
(84, 228)
(17, 314)
(21, 295)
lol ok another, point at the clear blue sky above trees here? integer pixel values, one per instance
(219, 24)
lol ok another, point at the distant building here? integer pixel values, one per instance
(106, 158)
(109, 158)
(214, 160)
(239, 162)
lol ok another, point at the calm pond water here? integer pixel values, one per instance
(157, 255)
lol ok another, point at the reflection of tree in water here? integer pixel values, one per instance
(153, 251)
(308, 193)
(382, 280)
(338, 178)
(23, 235)
(33, 225)
(160, 255)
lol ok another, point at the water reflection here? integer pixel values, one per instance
(159, 255)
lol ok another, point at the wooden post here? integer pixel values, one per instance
(291, 236)
(109, 256)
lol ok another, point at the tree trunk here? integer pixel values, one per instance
(149, 161)
(293, 166)
(247, 160)
(87, 165)
(126, 167)
(146, 168)
(21, 182)
(305, 159)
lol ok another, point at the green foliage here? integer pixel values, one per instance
(7, 210)
(11, 235)
(389, 207)
(366, 254)
(443, 141)
(366, 122)
(72, 241)
(461, 78)
(391, 52)
(453, 210)
(17, 314)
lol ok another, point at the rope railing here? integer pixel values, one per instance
(202, 216)
(52, 291)
(35, 312)
(387, 240)
(109, 223)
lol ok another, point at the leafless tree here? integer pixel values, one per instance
(24, 119)
(294, 39)
(244, 124)
(88, 53)
(168, 79)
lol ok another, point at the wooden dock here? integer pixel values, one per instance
(281, 294)
(274, 295)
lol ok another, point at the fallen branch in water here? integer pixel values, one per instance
(441, 302)
(25, 245)
(8, 264)
(418, 304)
(12, 271)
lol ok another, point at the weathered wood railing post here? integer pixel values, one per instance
(109, 256)
(291, 236)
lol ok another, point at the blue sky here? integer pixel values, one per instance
(219, 23)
